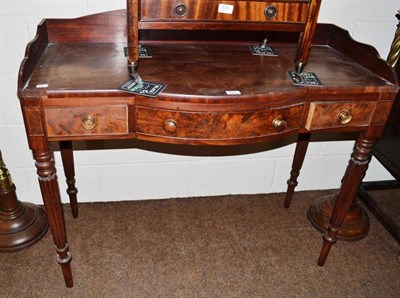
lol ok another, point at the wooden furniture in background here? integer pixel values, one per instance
(281, 15)
(387, 152)
(68, 92)
(21, 224)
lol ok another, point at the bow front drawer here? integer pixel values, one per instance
(82, 121)
(217, 126)
(211, 10)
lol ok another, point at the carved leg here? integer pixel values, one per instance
(355, 172)
(52, 202)
(67, 156)
(299, 154)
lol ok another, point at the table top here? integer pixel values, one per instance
(85, 57)
(194, 69)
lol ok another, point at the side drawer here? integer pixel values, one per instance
(211, 10)
(324, 115)
(79, 121)
(217, 126)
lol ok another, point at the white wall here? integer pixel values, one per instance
(142, 174)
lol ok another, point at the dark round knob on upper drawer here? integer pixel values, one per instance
(271, 11)
(180, 10)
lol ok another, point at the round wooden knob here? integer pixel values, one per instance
(344, 117)
(88, 123)
(279, 124)
(170, 126)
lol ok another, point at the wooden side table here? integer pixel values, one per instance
(68, 91)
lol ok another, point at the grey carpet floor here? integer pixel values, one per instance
(228, 246)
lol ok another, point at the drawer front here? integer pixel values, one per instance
(217, 126)
(209, 10)
(325, 115)
(81, 121)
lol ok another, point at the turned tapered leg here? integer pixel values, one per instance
(355, 172)
(69, 171)
(298, 159)
(52, 202)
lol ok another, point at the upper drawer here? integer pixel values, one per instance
(217, 126)
(324, 115)
(83, 121)
(210, 10)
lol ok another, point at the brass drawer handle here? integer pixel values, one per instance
(88, 123)
(170, 126)
(344, 117)
(279, 124)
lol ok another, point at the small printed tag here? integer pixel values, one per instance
(144, 52)
(42, 86)
(225, 8)
(304, 78)
(142, 88)
(233, 92)
(263, 50)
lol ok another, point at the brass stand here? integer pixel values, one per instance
(21, 224)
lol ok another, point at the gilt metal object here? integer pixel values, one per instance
(394, 53)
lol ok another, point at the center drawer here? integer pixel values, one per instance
(217, 126)
(211, 10)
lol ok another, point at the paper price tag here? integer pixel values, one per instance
(225, 8)
(42, 85)
(233, 92)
